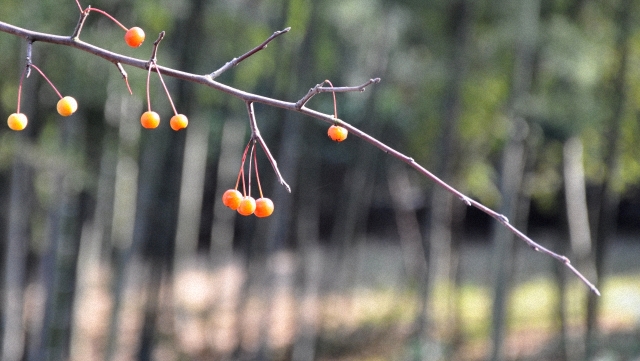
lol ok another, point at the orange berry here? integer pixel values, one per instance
(231, 198)
(150, 120)
(67, 106)
(17, 121)
(247, 206)
(264, 207)
(178, 122)
(134, 37)
(337, 133)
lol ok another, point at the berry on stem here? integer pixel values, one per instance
(337, 133)
(231, 198)
(178, 121)
(264, 207)
(247, 206)
(67, 106)
(150, 119)
(17, 121)
(134, 37)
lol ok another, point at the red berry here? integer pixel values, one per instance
(247, 206)
(17, 121)
(178, 122)
(67, 106)
(150, 120)
(134, 37)
(337, 133)
(231, 198)
(264, 207)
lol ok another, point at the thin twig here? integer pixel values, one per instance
(255, 135)
(235, 61)
(124, 76)
(319, 88)
(154, 51)
(250, 98)
(81, 20)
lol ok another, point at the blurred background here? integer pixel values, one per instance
(115, 244)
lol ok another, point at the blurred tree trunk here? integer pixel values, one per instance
(313, 262)
(579, 232)
(60, 260)
(13, 334)
(514, 204)
(123, 216)
(447, 213)
(607, 199)
(280, 267)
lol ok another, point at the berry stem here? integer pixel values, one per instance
(79, 6)
(255, 164)
(241, 172)
(253, 145)
(24, 71)
(175, 112)
(47, 79)
(335, 104)
(105, 14)
(151, 64)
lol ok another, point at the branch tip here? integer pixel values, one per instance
(235, 61)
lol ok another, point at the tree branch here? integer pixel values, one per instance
(249, 98)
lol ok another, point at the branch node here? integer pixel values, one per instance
(466, 200)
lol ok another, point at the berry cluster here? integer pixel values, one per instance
(134, 37)
(151, 119)
(66, 105)
(243, 202)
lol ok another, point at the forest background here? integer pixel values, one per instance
(116, 246)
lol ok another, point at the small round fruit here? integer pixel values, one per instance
(134, 37)
(150, 120)
(264, 207)
(337, 133)
(231, 198)
(247, 206)
(178, 122)
(67, 106)
(17, 121)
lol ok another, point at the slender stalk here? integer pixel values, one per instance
(24, 71)
(335, 104)
(253, 146)
(175, 112)
(255, 164)
(240, 172)
(47, 79)
(148, 79)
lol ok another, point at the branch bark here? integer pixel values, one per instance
(248, 98)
